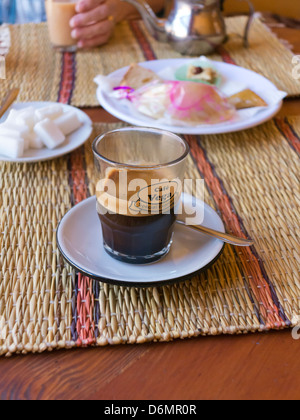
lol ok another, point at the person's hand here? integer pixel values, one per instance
(94, 23)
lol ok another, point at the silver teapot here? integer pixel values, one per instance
(193, 27)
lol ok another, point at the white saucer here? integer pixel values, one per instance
(72, 142)
(79, 238)
(229, 72)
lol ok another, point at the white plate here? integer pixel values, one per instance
(252, 80)
(72, 142)
(79, 238)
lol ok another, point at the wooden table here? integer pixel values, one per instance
(255, 366)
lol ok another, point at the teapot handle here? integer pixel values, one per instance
(249, 22)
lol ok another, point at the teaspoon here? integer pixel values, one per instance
(225, 237)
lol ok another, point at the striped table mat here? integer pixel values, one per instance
(252, 180)
(44, 75)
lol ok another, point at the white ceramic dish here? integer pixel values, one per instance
(239, 75)
(79, 238)
(73, 141)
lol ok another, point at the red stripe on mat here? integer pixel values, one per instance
(85, 301)
(77, 175)
(84, 333)
(141, 38)
(226, 57)
(68, 76)
(85, 324)
(286, 129)
(263, 290)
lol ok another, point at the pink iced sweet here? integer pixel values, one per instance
(189, 102)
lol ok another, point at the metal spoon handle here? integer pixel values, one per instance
(225, 237)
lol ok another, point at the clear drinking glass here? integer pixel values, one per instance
(59, 14)
(140, 174)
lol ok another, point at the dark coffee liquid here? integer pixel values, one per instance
(138, 229)
(138, 237)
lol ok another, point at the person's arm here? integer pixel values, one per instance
(95, 20)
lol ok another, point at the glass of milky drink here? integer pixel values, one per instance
(59, 14)
(140, 174)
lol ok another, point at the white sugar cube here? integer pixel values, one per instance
(35, 142)
(68, 122)
(12, 147)
(12, 116)
(13, 130)
(37, 119)
(26, 143)
(26, 117)
(49, 133)
(51, 111)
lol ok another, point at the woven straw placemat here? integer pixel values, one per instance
(252, 180)
(43, 75)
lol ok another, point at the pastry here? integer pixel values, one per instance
(246, 99)
(188, 102)
(197, 73)
(138, 76)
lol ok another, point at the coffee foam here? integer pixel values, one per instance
(137, 193)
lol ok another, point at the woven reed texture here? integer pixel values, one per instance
(252, 180)
(43, 75)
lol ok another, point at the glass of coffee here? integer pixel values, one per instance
(59, 13)
(140, 173)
